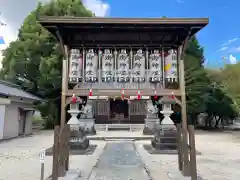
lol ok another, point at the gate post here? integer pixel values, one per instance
(67, 145)
(193, 163)
(55, 153)
(180, 156)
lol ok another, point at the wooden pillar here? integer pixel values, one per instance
(193, 163)
(64, 87)
(55, 153)
(67, 147)
(99, 74)
(163, 67)
(180, 154)
(183, 112)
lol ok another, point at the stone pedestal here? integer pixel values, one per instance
(78, 139)
(151, 121)
(165, 137)
(87, 118)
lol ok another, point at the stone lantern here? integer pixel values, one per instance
(87, 118)
(151, 120)
(165, 137)
(78, 139)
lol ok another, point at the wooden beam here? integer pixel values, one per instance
(64, 87)
(127, 92)
(182, 49)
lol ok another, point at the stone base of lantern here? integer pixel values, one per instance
(165, 138)
(81, 144)
(78, 140)
(89, 126)
(150, 126)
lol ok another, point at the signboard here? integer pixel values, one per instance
(42, 155)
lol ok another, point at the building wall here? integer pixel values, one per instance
(2, 117)
(11, 123)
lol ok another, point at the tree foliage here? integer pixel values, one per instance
(34, 60)
(204, 90)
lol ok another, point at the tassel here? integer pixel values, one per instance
(138, 95)
(173, 97)
(155, 95)
(90, 92)
(74, 99)
(122, 94)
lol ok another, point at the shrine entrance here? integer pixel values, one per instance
(119, 112)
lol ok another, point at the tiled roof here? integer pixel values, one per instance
(10, 89)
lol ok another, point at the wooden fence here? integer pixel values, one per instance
(60, 151)
(191, 151)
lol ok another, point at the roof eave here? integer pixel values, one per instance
(44, 20)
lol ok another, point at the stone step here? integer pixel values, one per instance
(132, 127)
(118, 127)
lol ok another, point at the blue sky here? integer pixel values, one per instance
(221, 38)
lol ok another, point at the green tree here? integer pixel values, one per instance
(219, 106)
(34, 60)
(222, 104)
(196, 80)
(230, 76)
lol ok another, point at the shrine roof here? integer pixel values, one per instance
(78, 31)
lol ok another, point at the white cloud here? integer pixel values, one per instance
(230, 41)
(232, 59)
(99, 7)
(14, 20)
(223, 48)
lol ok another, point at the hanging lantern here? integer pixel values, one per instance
(122, 94)
(138, 95)
(74, 99)
(155, 95)
(90, 92)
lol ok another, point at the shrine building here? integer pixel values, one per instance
(121, 63)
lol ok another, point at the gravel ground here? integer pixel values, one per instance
(220, 158)
(19, 158)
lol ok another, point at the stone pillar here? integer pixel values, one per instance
(78, 138)
(165, 137)
(152, 120)
(87, 118)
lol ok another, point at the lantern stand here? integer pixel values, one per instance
(166, 137)
(87, 117)
(78, 139)
(151, 120)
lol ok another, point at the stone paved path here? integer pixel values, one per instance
(119, 161)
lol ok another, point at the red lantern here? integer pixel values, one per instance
(138, 95)
(155, 95)
(90, 92)
(122, 94)
(74, 99)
